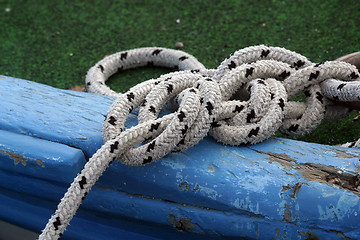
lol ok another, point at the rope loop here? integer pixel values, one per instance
(244, 101)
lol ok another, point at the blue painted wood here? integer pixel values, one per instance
(33, 214)
(69, 117)
(281, 189)
(39, 158)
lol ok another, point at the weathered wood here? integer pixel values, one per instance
(281, 188)
(68, 117)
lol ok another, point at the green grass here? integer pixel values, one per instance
(55, 42)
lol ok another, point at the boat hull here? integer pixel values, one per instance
(278, 189)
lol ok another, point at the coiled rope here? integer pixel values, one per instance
(244, 101)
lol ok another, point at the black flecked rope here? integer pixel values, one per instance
(244, 101)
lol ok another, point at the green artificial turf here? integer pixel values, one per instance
(56, 42)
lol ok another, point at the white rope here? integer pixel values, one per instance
(244, 101)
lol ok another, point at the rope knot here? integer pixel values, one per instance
(198, 97)
(244, 101)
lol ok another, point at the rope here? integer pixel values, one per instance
(244, 101)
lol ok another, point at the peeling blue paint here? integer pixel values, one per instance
(343, 208)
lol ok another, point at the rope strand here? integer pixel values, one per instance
(244, 101)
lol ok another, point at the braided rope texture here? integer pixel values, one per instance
(244, 101)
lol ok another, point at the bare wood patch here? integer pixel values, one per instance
(181, 224)
(318, 173)
(80, 88)
(16, 157)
